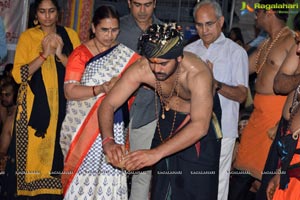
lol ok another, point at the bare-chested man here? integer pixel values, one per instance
(266, 61)
(287, 81)
(8, 105)
(184, 86)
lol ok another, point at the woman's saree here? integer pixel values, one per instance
(87, 175)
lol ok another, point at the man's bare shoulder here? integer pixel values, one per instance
(140, 64)
(140, 71)
(281, 49)
(196, 69)
(196, 79)
(193, 64)
(287, 41)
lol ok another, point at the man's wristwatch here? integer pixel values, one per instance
(219, 86)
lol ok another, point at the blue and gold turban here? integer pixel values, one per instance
(162, 41)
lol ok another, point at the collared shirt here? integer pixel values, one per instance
(143, 108)
(130, 32)
(3, 47)
(230, 66)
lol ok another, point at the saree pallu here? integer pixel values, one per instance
(86, 174)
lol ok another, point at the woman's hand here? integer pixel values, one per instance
(60, 45)
(109, 84)
(49, 45)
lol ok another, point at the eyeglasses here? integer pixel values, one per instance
(297, 37)
(6, 94)
(107, 30)
(209, 25)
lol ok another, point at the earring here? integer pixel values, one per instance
(35, 22)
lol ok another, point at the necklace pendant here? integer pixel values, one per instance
(163, 116)
(167, 108)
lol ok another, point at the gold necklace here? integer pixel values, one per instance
(259, 67)
(163, 101)
(166, 99)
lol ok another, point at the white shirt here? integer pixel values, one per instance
(230, 66)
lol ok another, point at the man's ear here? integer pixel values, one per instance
(179, 58)
(221, 21)
(129, 3)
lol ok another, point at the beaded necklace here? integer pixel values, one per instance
(164, 101)
(268, 49)
(293, 110)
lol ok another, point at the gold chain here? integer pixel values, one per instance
(164, 105)
(259, 67)
(165, 100)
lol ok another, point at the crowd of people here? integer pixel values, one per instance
(136, 112)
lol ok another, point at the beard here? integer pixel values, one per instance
(7, 104)
(160, 76)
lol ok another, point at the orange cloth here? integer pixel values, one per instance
(291, 193)
(255, 142)
(293, 190)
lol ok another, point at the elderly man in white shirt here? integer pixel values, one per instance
(231, 74)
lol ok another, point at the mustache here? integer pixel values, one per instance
(142, 15)
(160, 74)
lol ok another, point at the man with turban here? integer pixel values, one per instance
(185, 148)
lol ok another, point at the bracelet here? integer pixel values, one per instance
(42, 57)
(94, 93)
(106, 140)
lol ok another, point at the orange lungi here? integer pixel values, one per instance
(293, 190)
(255, 142)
